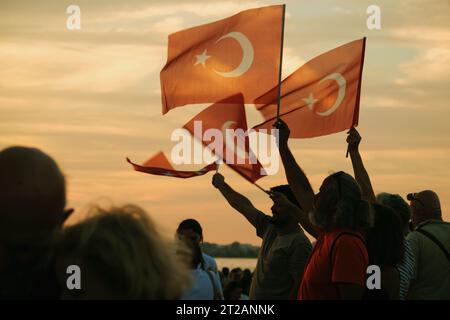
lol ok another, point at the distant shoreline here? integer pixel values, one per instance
(233, 250)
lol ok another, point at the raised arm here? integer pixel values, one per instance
(235, 199)
(361, 175)
(298, 182)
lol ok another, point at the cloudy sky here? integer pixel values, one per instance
(91, 97)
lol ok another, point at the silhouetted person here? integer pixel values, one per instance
(407, 265)
(121, 255)
(191, 229)
(225, 276)
(430, 243)
(338, 217)
(32, 210)
(385, 241)
(236, 275)
(233, 291)
(246, 281)
(205, 283)
(395, 279)
(284, 250)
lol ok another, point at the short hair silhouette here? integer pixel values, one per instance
(191, 224)
(32, 192)
(397, 203)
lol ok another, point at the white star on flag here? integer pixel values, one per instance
(310, 101)
(201, 58)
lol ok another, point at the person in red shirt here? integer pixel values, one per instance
(338, 217)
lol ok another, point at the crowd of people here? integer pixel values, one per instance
(121, 254)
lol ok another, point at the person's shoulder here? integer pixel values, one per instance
(210, 262)
(347, 239)
(436, 224)
(300, 237)
(208, 258)
(344, 235)
(413, 236)
(262, 217)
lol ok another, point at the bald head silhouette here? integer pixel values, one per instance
(425, 205)
(32, 193)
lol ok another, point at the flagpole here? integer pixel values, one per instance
(356, 114)
(217, 165)
(281, 63)
(261, 188)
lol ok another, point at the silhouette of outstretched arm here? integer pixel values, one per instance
(235, 199)
(298, 182)
(300, 215)
(361, 175)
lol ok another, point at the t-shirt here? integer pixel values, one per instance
(209, 262)
(431, 278)
(281, 262)
(202, 288)
(406, 270)
(348, 264)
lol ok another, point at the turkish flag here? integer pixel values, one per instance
(230, 123)
(321, 97)
(159, 165)
(211, 62)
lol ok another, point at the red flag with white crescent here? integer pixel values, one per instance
(321, 97)
(211, 62)
(230, 121)
(160, 165)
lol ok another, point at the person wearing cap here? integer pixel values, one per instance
(430, 241)
(285, 248)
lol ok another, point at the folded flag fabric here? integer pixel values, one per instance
(230, 124)
(160, 165)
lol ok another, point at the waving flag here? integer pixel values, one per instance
(322, 96)
(159, 165)
(208, 63)
(230, 125)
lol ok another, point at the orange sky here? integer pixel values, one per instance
(91, 97)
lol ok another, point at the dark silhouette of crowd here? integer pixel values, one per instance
(366, 246)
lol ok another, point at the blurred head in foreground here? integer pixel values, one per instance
(32, 194)
(121, 256)
(32, 210)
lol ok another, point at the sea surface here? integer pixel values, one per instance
(243, 263)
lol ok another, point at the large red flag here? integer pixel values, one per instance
(211, 62)
(159, 165)
(322, 96)
(230, 123)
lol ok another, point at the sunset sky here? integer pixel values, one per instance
(91, 97)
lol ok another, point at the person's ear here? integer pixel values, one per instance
(66, 214)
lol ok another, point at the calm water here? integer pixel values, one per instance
(243, 263)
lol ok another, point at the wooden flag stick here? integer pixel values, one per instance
(261, 188)
(358, 96)
(281, 63)
(217, 165)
